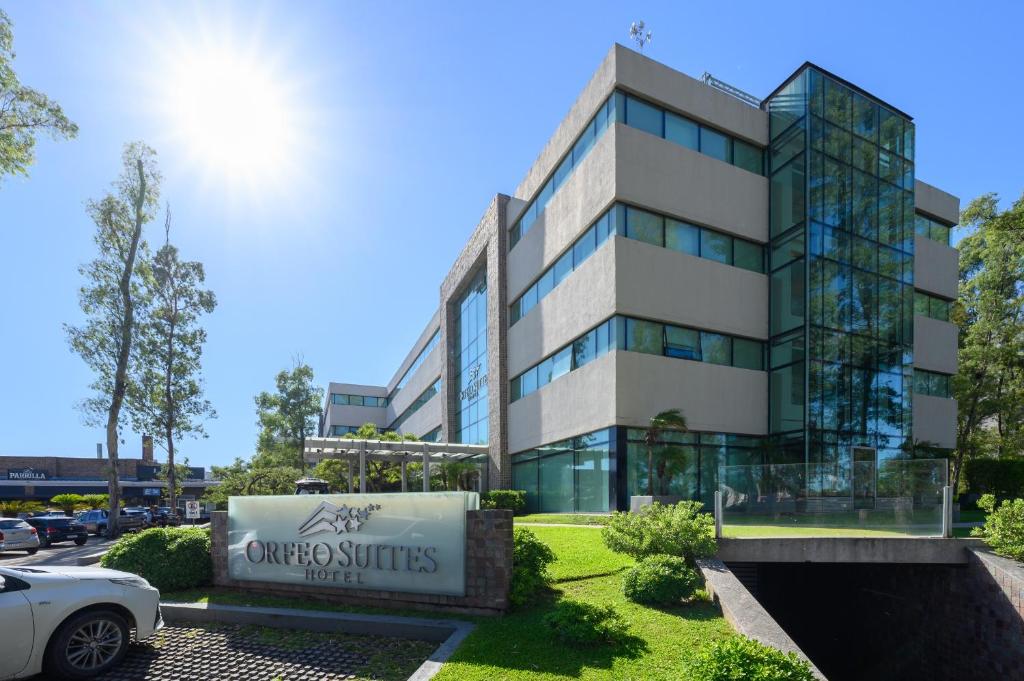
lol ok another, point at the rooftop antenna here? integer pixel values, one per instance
(637, 34)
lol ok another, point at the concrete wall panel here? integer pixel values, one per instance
(935, 420)
(428, 372)
(935, 345)
(935, 202)
(666, 177)
(936, 267)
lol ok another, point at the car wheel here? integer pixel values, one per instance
(101, 531)
(31, 552)
(81, 541)
(44, 542)
(86, 645)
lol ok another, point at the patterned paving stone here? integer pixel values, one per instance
(231, 652)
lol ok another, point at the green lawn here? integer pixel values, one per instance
(564, 518)
(518, 645)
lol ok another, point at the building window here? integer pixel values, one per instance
(358, 400)
(569, 476)
(648, 337)
(417, 404)
(418, 362)
(931, 383)
(931, 306)
(932, 229)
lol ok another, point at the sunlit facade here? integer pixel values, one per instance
(776, 272)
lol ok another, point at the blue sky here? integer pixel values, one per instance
(407, 118)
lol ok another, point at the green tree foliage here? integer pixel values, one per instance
(675, 530)
(510, 499)
(68, 502)
(1004, 526)
(334, 472)
(286, 417)
(1003, 478)
(24, 112)
(989, 386)
(383, 476)
(530, 560)
(661, 580)
(95, 501)
(244, 478)
(742, 658)
(113, 293)
(668, 420)
(170, 558)
(165, 394)
(173, 475)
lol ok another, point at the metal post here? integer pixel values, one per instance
(426, 469)
(362, 469)
(405, 484)
(718, 514)
(351, 482)
(947, 511)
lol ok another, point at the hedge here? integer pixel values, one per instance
(512, 499)
(170, 558)
(1003, 478)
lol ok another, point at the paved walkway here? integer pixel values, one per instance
(64, 553)
(236, 653)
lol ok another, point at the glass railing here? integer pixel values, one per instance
(862, 498)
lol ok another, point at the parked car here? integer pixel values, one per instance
(72, 622)
(96, 521)
(165, 516)
(147, 517)
(18, 535)
(54, 529)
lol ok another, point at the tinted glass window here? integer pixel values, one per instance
(643, 336)
(644, 226)
(715, 246)
(682, 237)
(715, 348)
(642, 115)
(714, 144)
(747, 354)
(747, 156)
(748, 255)
(682, 343)
(682, 131)
(584, 247)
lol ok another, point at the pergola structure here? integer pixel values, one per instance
(405, 452)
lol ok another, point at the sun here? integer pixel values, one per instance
(233, 117)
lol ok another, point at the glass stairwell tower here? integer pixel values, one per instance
(841, 258)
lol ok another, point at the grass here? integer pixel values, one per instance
(518, 646)
(564, 518)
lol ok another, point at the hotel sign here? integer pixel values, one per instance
(26, 474)
(388, 542)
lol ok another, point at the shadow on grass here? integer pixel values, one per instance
(580, 578)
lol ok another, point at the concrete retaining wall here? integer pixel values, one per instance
(488, 572)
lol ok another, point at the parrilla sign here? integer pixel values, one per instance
(26, 474)
(390, 542)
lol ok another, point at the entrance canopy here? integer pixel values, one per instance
(359, 451)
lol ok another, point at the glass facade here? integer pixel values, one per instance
(841, 283)
(431, 344)
(599, 471)
(470, 358)
(931, 306)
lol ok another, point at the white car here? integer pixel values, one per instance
(72, 622)
(17, 535)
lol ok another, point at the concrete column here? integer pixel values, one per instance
(405, 483)
(947, 511)
(718, 514)
(362, 469)
(351, 482)
(426, 469)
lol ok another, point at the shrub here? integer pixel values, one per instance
(675, 530)
(530, 560)
(512, 499)
(1004, 526)
(170, 558)
(67, 502)
(743, 658)
(11, 509)
(95, 501)
(660, 580)
(585, 624)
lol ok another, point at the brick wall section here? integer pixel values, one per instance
(488, 572)
(69, 467)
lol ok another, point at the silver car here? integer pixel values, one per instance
(17, 535)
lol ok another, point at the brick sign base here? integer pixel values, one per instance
(488, 572)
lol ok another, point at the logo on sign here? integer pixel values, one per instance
(476, 383)
(26, 474)
(338, 519)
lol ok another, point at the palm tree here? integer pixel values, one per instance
(668, 420)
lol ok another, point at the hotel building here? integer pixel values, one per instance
(773, 269)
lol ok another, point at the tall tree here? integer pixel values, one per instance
(670, 420)
(24, 112)
(989, 385)
(287, 417)
(165, 395)
(114, 287)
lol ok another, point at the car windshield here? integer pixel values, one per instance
(13, 524)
